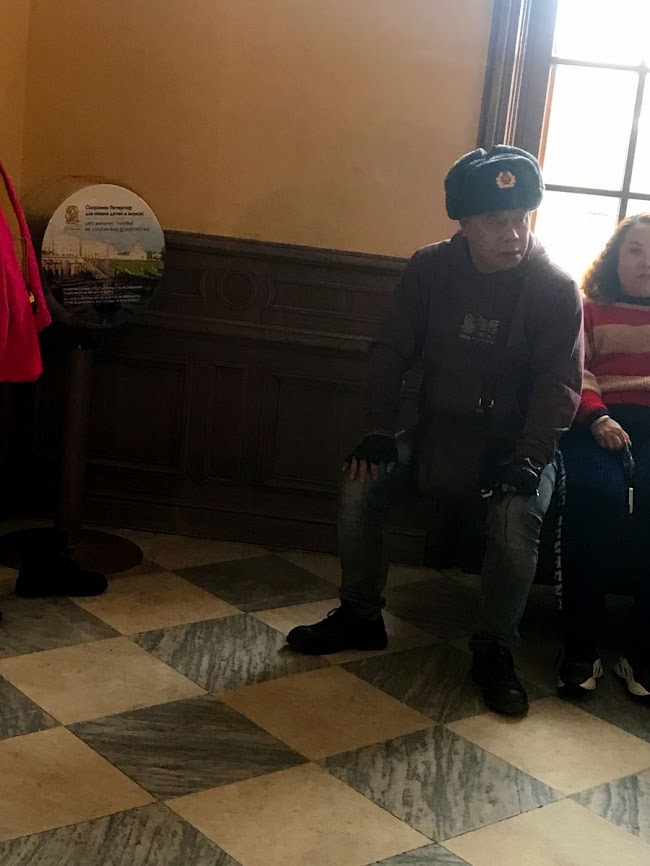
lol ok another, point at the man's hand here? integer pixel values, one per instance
(609, 434)
(520, 476)
(374, 449)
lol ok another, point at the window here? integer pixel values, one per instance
(573, 86)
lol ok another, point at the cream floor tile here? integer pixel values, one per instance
(402, 575)
(51, 779)
(283, 619)
(563, 746)
(323, 564)
(88, 681)
(562, 834)
(329, 567)
(182, 551)
(146, 602)
(143, 567)
(299, 816)
(324, 712)
(401, 634)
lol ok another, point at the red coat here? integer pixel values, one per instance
(23, 310)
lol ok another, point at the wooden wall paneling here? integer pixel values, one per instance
(310, 422)
(140, 413)
(224, 449)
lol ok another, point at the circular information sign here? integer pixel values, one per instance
(102, 256)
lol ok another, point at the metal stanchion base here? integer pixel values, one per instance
(95, 551)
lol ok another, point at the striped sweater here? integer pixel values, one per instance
(617, 357)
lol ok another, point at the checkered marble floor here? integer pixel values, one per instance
(167, 723)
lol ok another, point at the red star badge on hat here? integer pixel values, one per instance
(506, 180)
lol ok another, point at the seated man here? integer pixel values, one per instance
(498, 329)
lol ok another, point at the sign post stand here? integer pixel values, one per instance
(102, 255)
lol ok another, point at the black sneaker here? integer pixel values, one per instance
(578, 676)
(636, 675)
(494, 671)
(341, 629)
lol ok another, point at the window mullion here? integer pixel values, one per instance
(634, 134)
(584, 190)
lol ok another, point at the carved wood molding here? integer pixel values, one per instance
(257, 290)
(256, 249)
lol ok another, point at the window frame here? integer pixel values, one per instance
(517, 74)
(625, 193)
(519, 79)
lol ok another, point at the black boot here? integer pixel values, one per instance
(49, 569)
(494, 671)
(341, 629)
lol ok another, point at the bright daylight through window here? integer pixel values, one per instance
(596, 140)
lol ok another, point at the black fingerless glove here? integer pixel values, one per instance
(521, 474)
(376, 448)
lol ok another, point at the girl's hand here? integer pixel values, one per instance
(609, 434)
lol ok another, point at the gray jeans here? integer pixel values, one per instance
(512, 540)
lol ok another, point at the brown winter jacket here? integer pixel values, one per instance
(502, 358)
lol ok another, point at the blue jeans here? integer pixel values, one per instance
(601, 542)
(512, 539)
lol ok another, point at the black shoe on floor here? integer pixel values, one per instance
(494, 671)
(636, 673)
(578, 675)
(341, 629)
(51, 570)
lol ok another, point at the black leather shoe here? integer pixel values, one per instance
(51, 569)
(341, 629)
(494, 671)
